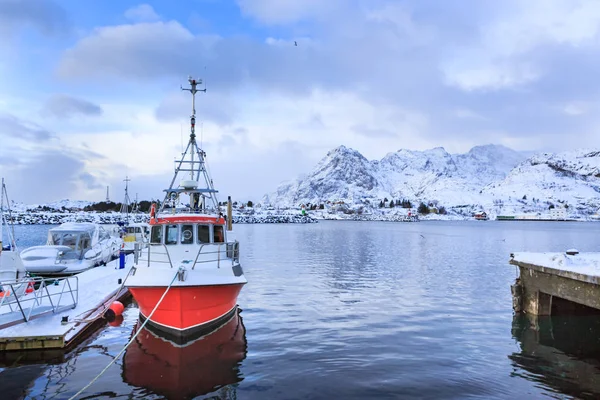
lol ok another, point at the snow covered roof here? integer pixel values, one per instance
(76, 226)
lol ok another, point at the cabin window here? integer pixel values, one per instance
(203, 234)
(54, 239)
(102, 234)
(69, 239)
(218, 233)
(156, 236)
(171, 234)
(86, 241)
(187, 234)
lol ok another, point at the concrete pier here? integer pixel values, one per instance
(546, 280)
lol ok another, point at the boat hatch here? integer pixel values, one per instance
(187, 234)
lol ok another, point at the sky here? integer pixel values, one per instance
(90, 91)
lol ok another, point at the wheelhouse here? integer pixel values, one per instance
(187, 233)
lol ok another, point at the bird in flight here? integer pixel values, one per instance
(295, 43)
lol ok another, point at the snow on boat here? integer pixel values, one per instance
(189, 277)
(71, 248)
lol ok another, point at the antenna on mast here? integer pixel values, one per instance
(194, 83)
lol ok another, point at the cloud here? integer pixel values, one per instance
(487, 57)
(65, 106)
(277, 12)
(63, 170)
(504, 56)
(286, 160)
(44, 15)
(117, 50)
(214, 106)
(13, 127)
(313, 122)
(336, 61)
(90, 181)
(142, 13)
(372, 132)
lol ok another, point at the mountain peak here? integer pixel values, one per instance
(341, 150)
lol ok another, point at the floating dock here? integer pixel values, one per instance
(37, 321)
(551, 282)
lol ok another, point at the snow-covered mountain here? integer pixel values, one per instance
(485, 177)
(343, 174)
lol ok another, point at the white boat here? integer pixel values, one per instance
(71, 248)
(135, 232)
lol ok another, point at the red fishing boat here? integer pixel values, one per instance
(188, 278)
(185, 371)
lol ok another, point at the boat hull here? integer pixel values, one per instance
(183, 372)
(186, 310)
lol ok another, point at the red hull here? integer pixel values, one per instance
(186, 308)
(185, 372)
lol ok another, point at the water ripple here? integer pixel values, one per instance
(371, 310)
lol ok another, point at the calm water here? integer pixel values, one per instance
(350, 310)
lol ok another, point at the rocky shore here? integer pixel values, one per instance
(56, 218)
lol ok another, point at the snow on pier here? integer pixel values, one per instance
(550, 283)
(571, 264)
(95, 289)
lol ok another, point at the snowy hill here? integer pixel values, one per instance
(57, 205)
(571, 178)
(490, 177)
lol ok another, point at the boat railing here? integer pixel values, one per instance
(232, 253)
(36, 296)
(190, 210)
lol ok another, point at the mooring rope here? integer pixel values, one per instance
(130, 341)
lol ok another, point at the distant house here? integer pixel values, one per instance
(558, 213)
(482, 216)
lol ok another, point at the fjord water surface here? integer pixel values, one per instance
(344, 309)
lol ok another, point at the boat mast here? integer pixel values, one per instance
(196, 165)
(4, 220)
(126, 201)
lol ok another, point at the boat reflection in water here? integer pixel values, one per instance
(560, 352)
(185, 370)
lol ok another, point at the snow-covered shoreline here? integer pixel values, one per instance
(279, 217)
(56, 218)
